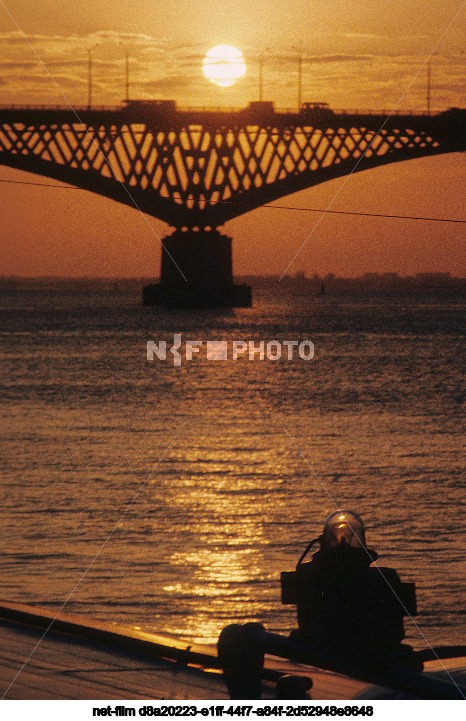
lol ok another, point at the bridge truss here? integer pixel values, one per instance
(196, 169)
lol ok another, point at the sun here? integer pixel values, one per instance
(223, 65)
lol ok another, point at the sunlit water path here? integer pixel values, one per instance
(176, 495)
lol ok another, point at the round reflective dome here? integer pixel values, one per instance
(343, 528)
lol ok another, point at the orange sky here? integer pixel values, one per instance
(356, 54)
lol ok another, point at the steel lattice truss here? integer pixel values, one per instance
(191, 173)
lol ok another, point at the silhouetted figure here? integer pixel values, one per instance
(350, 616)
(344, 605)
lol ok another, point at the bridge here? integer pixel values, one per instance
(195, 168)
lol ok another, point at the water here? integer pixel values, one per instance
(170, 498)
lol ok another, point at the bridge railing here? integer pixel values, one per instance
(206, 109)
(61, 108)
(295, 111)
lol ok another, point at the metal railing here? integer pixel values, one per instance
(206, 109)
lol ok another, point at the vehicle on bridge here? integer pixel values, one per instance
(317, 112)
(150, 108)
(258, 110)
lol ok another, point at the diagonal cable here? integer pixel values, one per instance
(276, 207)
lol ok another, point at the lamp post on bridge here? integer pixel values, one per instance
(261, 74)
(126, 97)
(300, 75)
(300, 80)
(89, 80)
(429, 71)
(429, 82)
(126, 75)
(261, 67)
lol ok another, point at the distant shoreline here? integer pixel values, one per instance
(299, 283)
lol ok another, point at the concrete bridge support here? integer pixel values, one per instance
(197, 272)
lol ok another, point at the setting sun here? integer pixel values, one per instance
(224, 65)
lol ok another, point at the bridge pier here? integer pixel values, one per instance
(197, 272)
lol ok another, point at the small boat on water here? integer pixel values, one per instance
(322, 291)
(47, 654)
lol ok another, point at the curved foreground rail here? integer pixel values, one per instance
(61, 655)
(111, 633)
(242, 648)
(74, 658)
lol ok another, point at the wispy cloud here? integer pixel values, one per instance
(165, 67)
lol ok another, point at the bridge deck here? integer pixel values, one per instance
(214, 117)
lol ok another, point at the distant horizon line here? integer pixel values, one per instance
(299, 275)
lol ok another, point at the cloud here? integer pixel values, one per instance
(165, 67)
(338, 58)
(17, 65)
(316, 59)
(172, 83)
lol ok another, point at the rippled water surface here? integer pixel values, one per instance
(172, 497)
